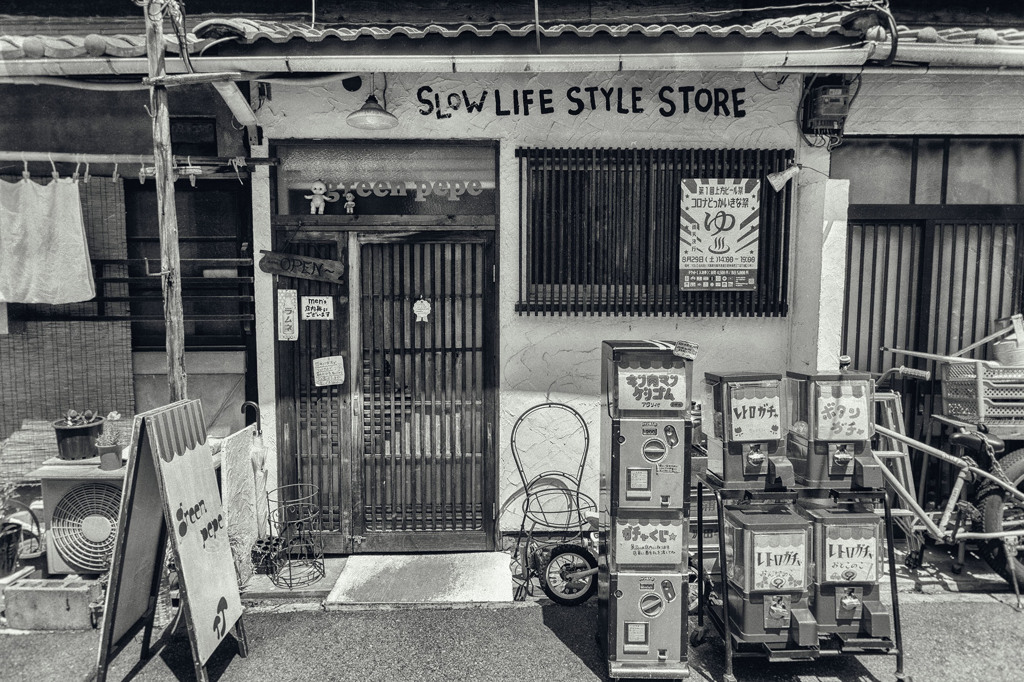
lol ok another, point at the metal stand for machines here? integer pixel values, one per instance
(722, 621)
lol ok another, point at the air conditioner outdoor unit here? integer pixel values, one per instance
(80, 506)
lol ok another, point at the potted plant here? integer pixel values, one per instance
(109, 445)
(76, 434)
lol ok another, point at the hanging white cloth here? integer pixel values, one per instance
(44, 257)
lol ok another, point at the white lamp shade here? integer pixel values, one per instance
(372, 116)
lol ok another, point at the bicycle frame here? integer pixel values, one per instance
(966, 469)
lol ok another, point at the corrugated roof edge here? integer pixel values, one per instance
(248, 31)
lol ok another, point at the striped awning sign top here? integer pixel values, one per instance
(843, 389)
(775, 540)
(850, 532)
(755, 392)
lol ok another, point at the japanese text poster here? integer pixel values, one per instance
(649, 542)
(851, 554)
(719, 228)
(287, 315)
(652, 389)
(756, 413)
(844, 412)
(329, 371)
(780, 561)
(317, 308)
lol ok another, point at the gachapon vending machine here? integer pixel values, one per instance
(746, 442)
(646, 433)
(831, 422)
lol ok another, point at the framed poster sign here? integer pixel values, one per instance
(719, 230)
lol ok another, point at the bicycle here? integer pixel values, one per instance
(987, 492)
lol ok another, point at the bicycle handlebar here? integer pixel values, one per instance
(922, 374)
(903, 371)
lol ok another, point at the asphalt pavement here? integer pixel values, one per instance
(954, 637)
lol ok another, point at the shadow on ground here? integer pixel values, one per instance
(576, 628)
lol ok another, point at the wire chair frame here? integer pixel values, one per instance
(555, 511)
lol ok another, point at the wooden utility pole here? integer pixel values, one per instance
(170, 262)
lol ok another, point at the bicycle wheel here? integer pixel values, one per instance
(557, 580)
(996, 513)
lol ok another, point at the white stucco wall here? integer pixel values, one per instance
(557, 358)
(988, 104)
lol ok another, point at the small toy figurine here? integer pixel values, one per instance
(320, 197)
(350, 202)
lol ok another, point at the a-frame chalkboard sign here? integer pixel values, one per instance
(171, 490)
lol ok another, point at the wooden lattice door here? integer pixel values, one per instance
(424, 478)
(314, 422)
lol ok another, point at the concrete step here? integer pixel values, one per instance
(422, 580)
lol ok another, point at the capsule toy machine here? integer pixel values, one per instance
(767, 585)
(646, 434)
(831, 422)
(745, 441)
(847, 571)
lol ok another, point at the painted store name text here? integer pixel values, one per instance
(669, 100)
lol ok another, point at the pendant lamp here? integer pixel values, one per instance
(372, 116)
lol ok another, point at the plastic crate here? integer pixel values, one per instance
(982, 390)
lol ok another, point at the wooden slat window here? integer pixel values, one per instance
(599, 232)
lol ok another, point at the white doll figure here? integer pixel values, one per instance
(319, 198)
(350, 202)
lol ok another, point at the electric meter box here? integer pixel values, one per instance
(647, 379)
(847, 571)
(648, 611)
(831, 421)
(768, 563)
(746, 435)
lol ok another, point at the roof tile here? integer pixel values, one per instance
(249, 31)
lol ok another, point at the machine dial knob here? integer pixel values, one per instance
(654, 450)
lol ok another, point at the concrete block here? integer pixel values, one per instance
(38, 604)
(9, 580)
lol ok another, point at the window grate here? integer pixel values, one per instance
(599, 232)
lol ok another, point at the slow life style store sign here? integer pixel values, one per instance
(719, 230)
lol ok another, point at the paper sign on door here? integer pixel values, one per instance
(329, 371)
(317, 308)
(287, 315)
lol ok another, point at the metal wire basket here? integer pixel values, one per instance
(295, 519)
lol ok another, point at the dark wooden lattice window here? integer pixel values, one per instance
(599, 232)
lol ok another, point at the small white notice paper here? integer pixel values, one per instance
(329, 370)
